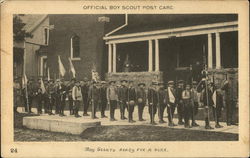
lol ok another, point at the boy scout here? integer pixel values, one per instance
(52, 98)
(77, 97)
(61, 91)
(171, 102)
(180, 108)
(112, 98)
(94, 98)
(123, 98)
(187, 103)
(103, 96)
(141, 100)
(161, 102)
(195, 100)
(85, 89)
(152, 101)
(131, 101)
(17, 94)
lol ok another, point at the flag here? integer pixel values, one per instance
(24, 81)
(72, 69)
(61, 67)
(214, 98)
(48, 75)
(42, 86)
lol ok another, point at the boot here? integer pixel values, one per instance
(207, 124)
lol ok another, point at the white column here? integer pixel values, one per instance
(150, 56)
(210, 51)
(157, 64)
(218, 54)
(110, 59)
(114, 57)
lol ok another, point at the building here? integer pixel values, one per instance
(30, 54)
(79, 38)
(164, 47)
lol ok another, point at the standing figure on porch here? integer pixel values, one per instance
(62, 96)
(103, 96)
(85, 89)
(152, 101)
(112, 98)
(161, 102)
(77, 97)
(123, 98)
(230, 86)
(187, 103)
(196, 71)
(141, 100)
(94, 98)
(218, 105)
(195, 100)
(171, 102)
(127, 64)
(39, 96)
(180, 107)
(131, 101)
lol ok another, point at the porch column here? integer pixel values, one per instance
(210, 53)
(218, 54)
(110, 59)
(157, 55)
(114, 57)
(150, 56)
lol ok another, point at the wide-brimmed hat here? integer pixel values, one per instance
(180, 81)
(170, 82)
(141, 84)
(112, 81)
(124, 81)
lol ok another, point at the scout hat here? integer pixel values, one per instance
(103, 82)
(112, 81)
(124, 81)
(170, 82)
(180, 81)
(141, 84)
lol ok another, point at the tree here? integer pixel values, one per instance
(18, 31)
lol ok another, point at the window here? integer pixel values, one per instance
(46, 36)
(43, 66)
(75, 47)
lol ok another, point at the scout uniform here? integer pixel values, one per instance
(161, 102)
(52, 96)
(141, 99)
(61, 91)
(195, 100)
(85, 90)
(187, 103)
(70, 99)
(131, 101)
(123, 98)
(77, 98)
(112, 98)
(94, 98)
(153, 101)
(218, 103)
(180, 108)
(171, 102)
(103, 96)
(45, 96)
(39, 97)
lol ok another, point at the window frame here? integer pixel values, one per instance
(44, 38)
(71, 48)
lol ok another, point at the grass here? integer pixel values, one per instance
(119, 133)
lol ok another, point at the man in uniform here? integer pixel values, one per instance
(103, 96)
(180, 108)
(171, 102)
(131, 101)
(195, 100)
(77, 97)
(112, 98)
(187, 103)
(94, 98)
(152, 101)
(70, 99)
(218, 103)
(161, 102)
(85, 90)
(45, 97)
(17, 94)
(230, 86)
(123, 98)
(61, 90)
(39, 97)
(52, 96)
(141, 100)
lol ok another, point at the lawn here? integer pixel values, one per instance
(120, 133)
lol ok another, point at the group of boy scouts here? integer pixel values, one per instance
(186, 98)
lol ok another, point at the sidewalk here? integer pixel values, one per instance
(105, 121)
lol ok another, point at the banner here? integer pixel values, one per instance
(61, 67)
(72, 68)
(42, 86)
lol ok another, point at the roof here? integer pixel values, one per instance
(151, 22)
(32, 21)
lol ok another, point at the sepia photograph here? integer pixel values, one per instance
(105, 78)
(125, 77)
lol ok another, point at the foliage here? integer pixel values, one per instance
(19, 33)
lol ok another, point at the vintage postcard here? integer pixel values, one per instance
(124, 78)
